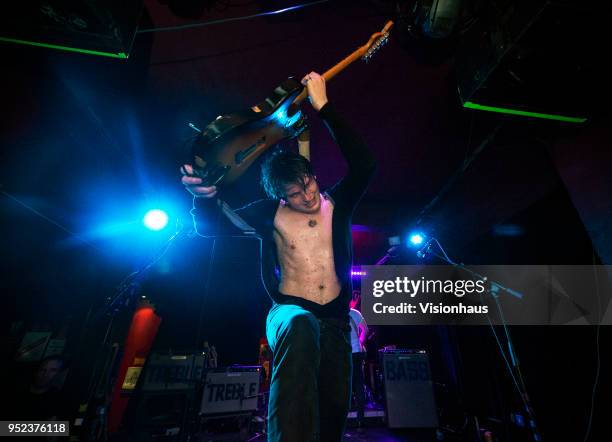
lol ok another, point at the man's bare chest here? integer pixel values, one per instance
(304, 232)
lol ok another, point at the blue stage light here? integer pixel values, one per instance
(155, 219)
(415, 239)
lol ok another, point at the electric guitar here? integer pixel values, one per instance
(225, 149)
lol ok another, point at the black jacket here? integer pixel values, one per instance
(213, 217)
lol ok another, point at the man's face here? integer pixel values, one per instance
(47, 372)
(305, 197)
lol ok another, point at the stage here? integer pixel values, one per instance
(191, 190)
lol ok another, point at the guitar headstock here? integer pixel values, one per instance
(375, 42)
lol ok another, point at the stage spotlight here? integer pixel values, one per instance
(415, 239)
(155, 219)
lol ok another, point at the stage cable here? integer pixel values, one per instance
(518, 384)
(232, 19)
(597, 350)
(211, 259)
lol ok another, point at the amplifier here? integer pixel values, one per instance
(409, 398)
(165, 372)
(231, 389)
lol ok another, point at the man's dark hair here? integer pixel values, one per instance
(58, 358)
(283, 167)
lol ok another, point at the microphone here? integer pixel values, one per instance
(423, 251)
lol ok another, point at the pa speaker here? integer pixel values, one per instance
(94, 27)
(535, 58)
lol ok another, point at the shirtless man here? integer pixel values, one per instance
(307, 254)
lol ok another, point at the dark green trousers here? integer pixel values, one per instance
(310, 389)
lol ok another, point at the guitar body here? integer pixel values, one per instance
(228, 146)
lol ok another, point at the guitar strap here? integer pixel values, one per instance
(235, 218)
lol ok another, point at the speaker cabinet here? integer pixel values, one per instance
(409, 397)
(231, 390)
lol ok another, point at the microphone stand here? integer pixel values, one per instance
(108, 354)
(388, 255)
(494, 290)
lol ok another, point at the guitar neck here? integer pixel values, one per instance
(331, 73)
(376, 40)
